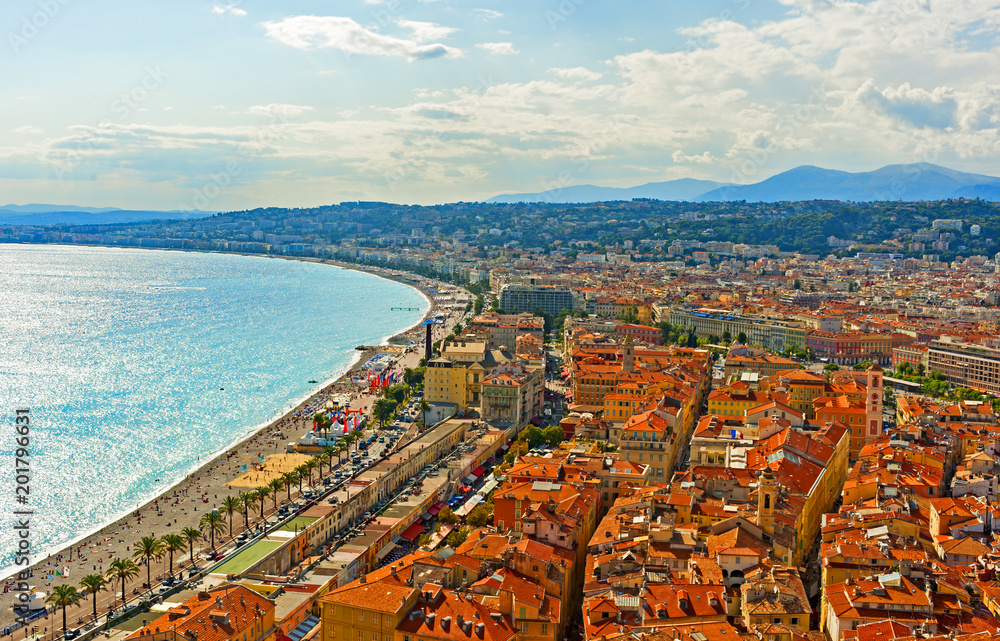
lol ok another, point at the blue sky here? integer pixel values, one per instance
(216, 105)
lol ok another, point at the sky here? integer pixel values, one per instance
(187, 104)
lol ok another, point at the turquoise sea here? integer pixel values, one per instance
(138, 365)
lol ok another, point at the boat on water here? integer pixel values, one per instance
(312, 381)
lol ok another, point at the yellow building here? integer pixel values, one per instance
(363, 611)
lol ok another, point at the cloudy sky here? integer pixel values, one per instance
(191, 104)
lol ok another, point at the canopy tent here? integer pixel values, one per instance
(411, 533)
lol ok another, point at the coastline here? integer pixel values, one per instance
(134, 523)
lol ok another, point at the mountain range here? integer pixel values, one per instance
(919, 181)
(39, 214)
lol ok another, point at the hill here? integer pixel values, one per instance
(912, 182)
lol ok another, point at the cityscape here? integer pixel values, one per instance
(504, 320)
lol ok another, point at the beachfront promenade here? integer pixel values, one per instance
(185, 504)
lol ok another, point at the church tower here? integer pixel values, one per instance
(767, 495)
(873, 402)
(628, 356)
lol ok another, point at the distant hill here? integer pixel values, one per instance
(892, 182)
(684, 189)
(36, 214)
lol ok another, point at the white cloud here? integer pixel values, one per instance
(307, 32)
(489, 14)
(278, 109)
(426, 31)
(28, 129)
(680, 158)
(230, 10)
(498, 48)
(575, 73)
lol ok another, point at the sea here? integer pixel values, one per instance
(137, 366)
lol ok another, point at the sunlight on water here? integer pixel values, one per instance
(121, 354)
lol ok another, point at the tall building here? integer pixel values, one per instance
(527, 298)
(966, 364)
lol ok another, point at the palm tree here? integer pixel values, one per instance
(247, 499)
(214, 523)
(323, 423)
(321, 459)
(122, 570)
(231, 504)
(423, 406)
(288, 478)
(64, 596)
(191, 535)
(276, 486)
(311, 465)
(331, 451)
(262, 493)
(382, 410)
(172, 543)
(92, 584)
(148, 548)
(300, 471)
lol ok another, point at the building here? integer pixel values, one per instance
(511, 395)
(516, 298)
(966, 364)
(228, 612)
(774, 334)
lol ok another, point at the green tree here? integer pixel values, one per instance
(742, 338)
(262, 493)
(423, 406)
(289, 479)
(920, 369)
(478, 306)
(553, 435)
(383, 409)
(247, 499)
(92, 584)
(479, 516)
(63, 596)
(532, 436)
(727, 337)
(230, 505)
(172, 543)
(192, 536)
(214, 523)
(148, 548)
(830, 368)
(122, 570)
(277, 485)
(458, 537)
(447, 515)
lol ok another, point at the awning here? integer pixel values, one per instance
(433, 510)
(470, 478)
(440, 504)
(479, 470)
(426, 516)
(384, 552)
(411, 533)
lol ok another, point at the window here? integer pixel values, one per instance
(524, 627)
(523, 613)
(375, 621)
(545, 628)
(794, 620)
(361, 616)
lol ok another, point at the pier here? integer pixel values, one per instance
(404, 309)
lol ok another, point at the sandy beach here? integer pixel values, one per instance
(184, 504)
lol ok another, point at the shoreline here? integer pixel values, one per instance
(291, 428)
